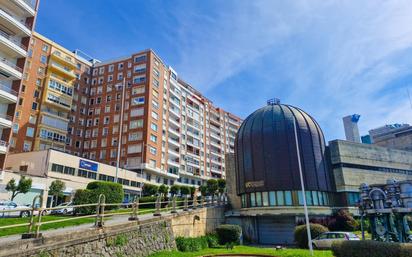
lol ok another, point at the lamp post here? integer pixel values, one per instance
(120, 129)
(303, 189)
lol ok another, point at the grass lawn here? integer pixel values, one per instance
(245, 250)
(20, 230)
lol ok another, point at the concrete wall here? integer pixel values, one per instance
(127, 239)
(234, 199)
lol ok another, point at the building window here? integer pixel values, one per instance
(34, 106)
(30, 132)
(153, 138)
(153, 126)
(45, 48)
(153, 150)
(43, 59)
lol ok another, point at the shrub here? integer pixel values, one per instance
(343, 221)
(147, 199)
(228, 233)
(149, 189)
(371, 249)
(184, 190)
(191, 244)
(212, 240)
(301, 236)
(174, 190)
(83, 196)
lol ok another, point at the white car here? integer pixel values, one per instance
(20, 210)
(66, 208)
(325, 240)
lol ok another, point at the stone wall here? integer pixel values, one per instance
(134, 238)
(234, 199)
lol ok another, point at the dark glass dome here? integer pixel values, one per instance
(266, 154)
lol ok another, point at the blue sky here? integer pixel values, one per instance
(331, 58)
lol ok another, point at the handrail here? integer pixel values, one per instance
(171, 206)
(15, 41)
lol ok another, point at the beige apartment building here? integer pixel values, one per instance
(17, 18)
(170, 133)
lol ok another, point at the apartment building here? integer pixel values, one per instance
(170, 132)
(17, 18)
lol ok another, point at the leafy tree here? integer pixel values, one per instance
(192, 191)
(56, 189)
(212, 186)
(203, 190)
(22, 187)
(163, 190)
(149, 189)
(343, 221)
(221, 183)
(185, 190)
(174, 190)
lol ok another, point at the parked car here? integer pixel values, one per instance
(66, 208)
(20, 210)
(325, 240)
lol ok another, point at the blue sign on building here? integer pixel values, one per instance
(88, 165)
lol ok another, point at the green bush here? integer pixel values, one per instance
(343, 221)
(371, 249)
(149, 189)
(228, 233)
(147, 199)
(212, 240)
(191, 244)
(301, 236)
(112, 191)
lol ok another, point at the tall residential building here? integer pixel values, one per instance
(170, 133)
(397, 136)
(350, 124)
(17, 18)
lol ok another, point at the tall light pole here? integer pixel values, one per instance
(303, 188)
(120, 129)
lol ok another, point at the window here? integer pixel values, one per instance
(153, 150)
(141, 58)
(111, 67)
(34, 106)
(32, 119)
(138, 90)
(134, 148)
(265, 199)
(45, 48)
(135, 136)
(136, 112)
(279, 198)
(138, 100)
(272, 198)
(43, 59)
(136, 124)
(153, 138)
(153, 126)
(252, 200)
(155, 115)
(288, 198)
(30, 132)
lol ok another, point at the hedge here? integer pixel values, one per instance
(112, 191)
(301, 236)
(193, 244)
(371, 248)
(228, 234)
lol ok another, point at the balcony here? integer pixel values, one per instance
(67, 61)
(14, 23)
(3, 147)
(6, 121)
(173, 163)
(174, 142)
(215, 136)
(62, 71)
(12, 46)
(174, 132)
(174, 153)
(7, 95)
(27, 6)
(9, 69)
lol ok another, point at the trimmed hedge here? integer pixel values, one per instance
(112, 191)
(193, 244)
(371, 248)
(229, 234)
(301, 236)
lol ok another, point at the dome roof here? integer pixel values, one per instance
(266, 154)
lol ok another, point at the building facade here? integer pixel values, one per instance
(350, 124)
(17, 19)
(397, 136)
(170, 133)
(46, 166)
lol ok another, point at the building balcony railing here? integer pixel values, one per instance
(13, 40)
(21, 23)
(8, 89)
(3, 147)
(6, 117)
(65, 60)
(31, 3)
(10, 64)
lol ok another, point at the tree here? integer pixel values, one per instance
(56, 189)
(343, 221)
(163, 190)
(22, 188)
(174, 190)
(184, 190)
(212, 186)
(203, 190)
(192, 191)
(221, 183)
(149, 189)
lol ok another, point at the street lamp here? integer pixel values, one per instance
(121, 129)
(303, 189)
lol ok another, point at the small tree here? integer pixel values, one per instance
(221, 184)
(21, 188)
(56, 189)
(212, 186)
(184, 190)
(174, 190)
(163, 190)
(192, 191)
(203, 190)
(149, 189)
(343, 221)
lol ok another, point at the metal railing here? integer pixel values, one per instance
(16, 19)
(10, 64)
(13, 40)
(31, 3)
(133, 209)
(8, 89)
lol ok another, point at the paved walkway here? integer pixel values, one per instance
(113, 220)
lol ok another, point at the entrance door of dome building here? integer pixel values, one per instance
(276, 230)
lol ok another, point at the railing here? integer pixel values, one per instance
(8, 89)
(31, 3)
(4, 143)
(132, 209)
(8, 63)
(6, 117)
(12, 39)
(15, 18)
